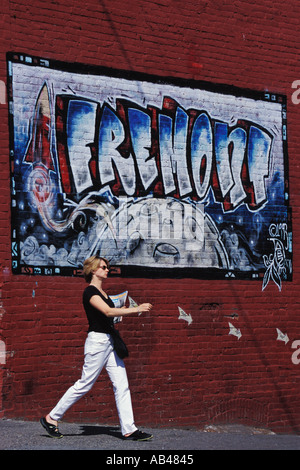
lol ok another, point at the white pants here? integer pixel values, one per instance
(99, 353)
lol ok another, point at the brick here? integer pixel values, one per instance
(180, 374)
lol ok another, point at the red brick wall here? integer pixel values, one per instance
(179, 374)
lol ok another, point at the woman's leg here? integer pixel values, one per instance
(97, 350)
(117, 373)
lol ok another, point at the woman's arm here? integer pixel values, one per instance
(102, 306)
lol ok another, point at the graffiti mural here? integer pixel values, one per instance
(277, 263)
(148, 173)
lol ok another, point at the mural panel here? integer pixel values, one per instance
(157, 175)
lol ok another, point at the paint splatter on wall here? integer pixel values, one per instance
(148, 173)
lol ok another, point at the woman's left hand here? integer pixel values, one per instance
(144, 307)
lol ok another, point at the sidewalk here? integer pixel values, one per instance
(29, 435)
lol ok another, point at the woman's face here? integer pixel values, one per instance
(102, 270)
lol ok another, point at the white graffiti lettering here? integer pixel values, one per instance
(183, 153)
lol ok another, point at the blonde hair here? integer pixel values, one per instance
(90, 265)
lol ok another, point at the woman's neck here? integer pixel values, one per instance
(97, 283)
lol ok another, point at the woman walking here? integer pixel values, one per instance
(98, 353)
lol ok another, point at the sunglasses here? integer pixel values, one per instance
(104, 268)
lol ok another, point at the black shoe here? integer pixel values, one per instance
(51, 429)
(138, 436)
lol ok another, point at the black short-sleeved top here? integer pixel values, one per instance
(98, 321)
